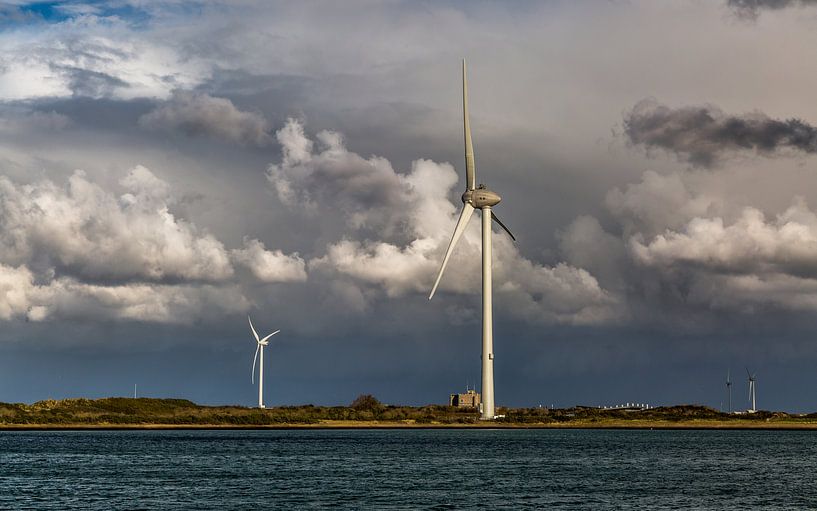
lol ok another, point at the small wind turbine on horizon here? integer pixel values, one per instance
(729, 389)
(477, 197)
(259, 350)
(752, 378)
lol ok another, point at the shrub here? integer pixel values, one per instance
(366, 402)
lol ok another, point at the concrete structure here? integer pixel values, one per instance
(468, 400)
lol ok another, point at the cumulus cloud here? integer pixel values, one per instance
(270, 265)
(414, 220)
(752, 245)
(76, 251)
(368, 192)
(672, 253)
(683, 251)
(23, 296)
(397, 270)
(702, 135)
(201, 114)
(656, 203)
(554, 294)
(749, 294)
(16, 286)
(531, 291)
(85, 231)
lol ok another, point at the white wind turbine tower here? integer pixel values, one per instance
(477, 197)
(752, 378)
(259, 349)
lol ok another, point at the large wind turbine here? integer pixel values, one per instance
(259, 349)
(752, 378)
(477, 197)
(729, 389)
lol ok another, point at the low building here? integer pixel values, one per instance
(468, 400)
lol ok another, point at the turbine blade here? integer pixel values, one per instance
(497, 220)
(465, 215)
(254, 360)
(252, 328)
(470, 168)
(267, 337)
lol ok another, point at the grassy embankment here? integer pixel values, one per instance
(179, 413)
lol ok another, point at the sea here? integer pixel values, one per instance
(409, 469)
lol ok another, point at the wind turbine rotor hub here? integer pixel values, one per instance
(481, 198)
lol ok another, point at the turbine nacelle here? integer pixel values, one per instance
(481, 197)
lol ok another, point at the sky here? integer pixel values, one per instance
(168, 168)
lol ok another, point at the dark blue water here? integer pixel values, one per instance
(409, 469)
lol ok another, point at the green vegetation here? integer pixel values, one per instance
(677, 414)
(365, 411)
(180, 412)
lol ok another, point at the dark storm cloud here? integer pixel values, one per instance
(703, 134)
(751, 8)
(84, 82)
(27, 120)
(202, 114)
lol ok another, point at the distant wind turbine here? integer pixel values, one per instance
(752, 378)
(729, 389)
(259, 349)
(477, 197)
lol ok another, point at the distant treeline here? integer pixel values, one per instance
(180, 412)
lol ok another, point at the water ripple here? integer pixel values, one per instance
(408, 469)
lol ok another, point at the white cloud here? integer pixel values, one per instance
(85, 231)
(16, 285)
(79, 251)
(752, 244)
(92, 56)
(67, 298)
(270, 265)
(398, 270)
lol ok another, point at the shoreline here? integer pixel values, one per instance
(114, 414)
(350, 425)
